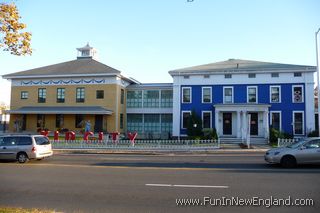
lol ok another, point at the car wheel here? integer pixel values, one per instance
(288, 161)
(22, 158)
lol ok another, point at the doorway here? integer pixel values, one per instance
(254, 124)
(227, 123)
(98, 123)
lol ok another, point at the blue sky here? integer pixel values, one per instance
(147, 38)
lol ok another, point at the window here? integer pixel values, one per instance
(151, 123)
(314, 144)
(166, 123)
(134, 99)
(122, 96)
(60, 95)
(186, 95)
(297, 94)
(206, 119)
(14, 141)
(227, 95)
(276, 120)
(80, 95)
(41, 121)
(100, 94)
(24, 141)
(206, 94)
(79, 121)
(274, 75)
(9, 141)
(252, 94)
(42, 94)
(297, 74)
(42, 140)
(185, 119)
(166, 98)
(275, 92)
(227, 75)
(85, 53)
(24, 95)
(59, 121)
(186, 77)
(121, 121)
(251, 75)
(206, 76)
(298, 123)
(151, 98)
(135, 123)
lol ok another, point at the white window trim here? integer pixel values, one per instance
(271, 94)
(182, 112)
(302, 91)
(249, 87)
(224, 100)
(210, 118)
(183, 88)
(210, 88)
(280, 117)
(293, 127)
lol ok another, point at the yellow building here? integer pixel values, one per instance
(69, 94)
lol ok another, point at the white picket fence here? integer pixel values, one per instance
(138, 145)
(286, 142)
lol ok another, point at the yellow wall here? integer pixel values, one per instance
(111, 101)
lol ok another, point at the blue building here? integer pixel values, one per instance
(231, 95)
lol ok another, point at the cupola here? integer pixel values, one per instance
(86, 52)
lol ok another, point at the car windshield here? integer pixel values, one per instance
(42, 140)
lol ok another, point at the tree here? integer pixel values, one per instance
(12, 36)
(194, 128)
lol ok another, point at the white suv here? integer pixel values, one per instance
(24, 147)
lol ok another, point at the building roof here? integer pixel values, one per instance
(151, 86)
(79, 67)
(88, 110)
(238, 65)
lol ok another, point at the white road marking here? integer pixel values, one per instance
(186, 186)
(201, 186)
(151, 184)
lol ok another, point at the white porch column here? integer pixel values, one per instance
(238, 124)
(176, 116)
(244, 126)
(216, 122)
(266, 124)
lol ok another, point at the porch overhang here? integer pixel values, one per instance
(242, 107)
(50, 110)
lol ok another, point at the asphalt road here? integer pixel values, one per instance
(153, 183)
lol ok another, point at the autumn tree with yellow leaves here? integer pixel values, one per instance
(12, 35)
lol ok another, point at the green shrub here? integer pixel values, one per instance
(194, 128)
(210, 134)
(275, 134)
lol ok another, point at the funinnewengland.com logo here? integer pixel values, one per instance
(237, 201)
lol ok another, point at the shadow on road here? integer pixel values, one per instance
(239, 167)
